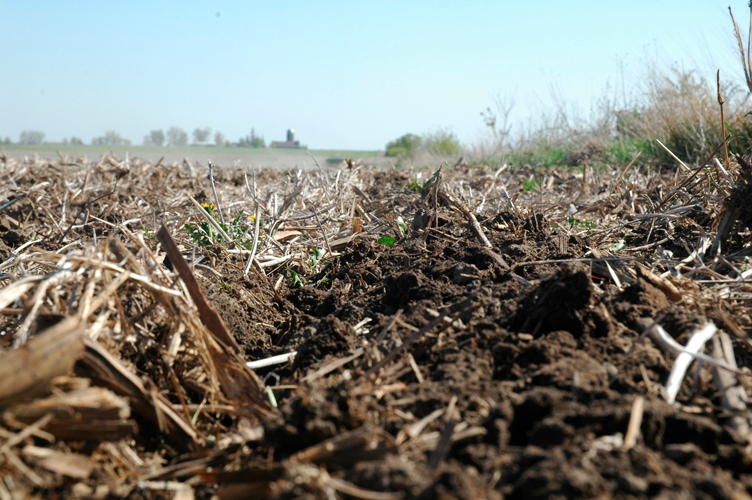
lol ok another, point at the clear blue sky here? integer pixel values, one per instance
(351, 75)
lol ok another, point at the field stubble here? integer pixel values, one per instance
(473, 334)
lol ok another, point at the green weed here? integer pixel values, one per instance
(316, 260)
(622, 152)
(205, 235)
(401, 225)
(386, 240)
(581, 223)
(746, 266)
(530, 184)
(541, 156)
(295, 282)
(149, 234)
(415, 186)
(321, 282)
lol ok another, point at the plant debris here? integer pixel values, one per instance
(338, 333)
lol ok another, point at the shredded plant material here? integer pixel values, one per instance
(348, 332)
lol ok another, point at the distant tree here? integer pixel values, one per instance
(252, 141)
(404, 146)
(201, 135)
(110, 138)
(256, 141)
(442, 143)
(156, 138)
(76, 141)
(219, 139)
(31, 137)
(7, 141)
(177, 137)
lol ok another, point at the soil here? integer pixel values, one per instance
(545, 370)
(530, 369)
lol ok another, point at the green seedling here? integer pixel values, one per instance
(581, 223)
(386, 240)
(296, 281)
(401, 225)
(530, 184)
(746, 265)
(202, 234)
(402, 229)
(148, 233)
(322, 281)
(415, 186)
(205, 235)
(430, 182)
(316, 259)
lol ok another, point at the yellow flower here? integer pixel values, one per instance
(252, 218)
(210, 206)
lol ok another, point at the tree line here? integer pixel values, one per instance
(174, 137)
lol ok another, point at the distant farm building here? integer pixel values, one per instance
(290, 143)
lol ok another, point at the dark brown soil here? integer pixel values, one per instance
(544, 369)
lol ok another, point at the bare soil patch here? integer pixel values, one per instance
(497, 362)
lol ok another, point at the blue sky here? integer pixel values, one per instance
(349, 75)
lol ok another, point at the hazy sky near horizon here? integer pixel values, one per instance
(345, 75)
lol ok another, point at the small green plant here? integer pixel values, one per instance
(296, 282)
(149, 234)
(746, 266)
(322, 281)
(401, 230)
(432, 181)
(238, 230)
(386, 240)
(205, 235)
(316, 259)
(623, 151)
(581, 223)
(415, 186)
(401, 225)
(203, 232)
(530, 184)
(540, 155)
(315, 263)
